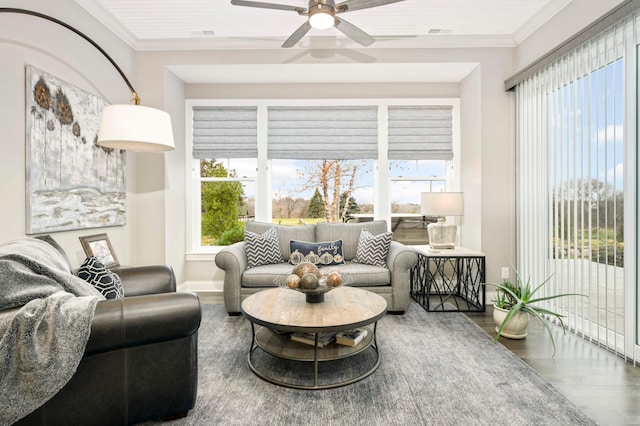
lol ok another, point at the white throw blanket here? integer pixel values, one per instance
(45, 323)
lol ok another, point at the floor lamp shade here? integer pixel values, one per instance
(441, 234)
(135, 128)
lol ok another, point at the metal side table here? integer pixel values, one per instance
(449, 280)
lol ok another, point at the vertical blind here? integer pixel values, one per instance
(570, 182)
(225, 132)
(318, 132)
(420, 132)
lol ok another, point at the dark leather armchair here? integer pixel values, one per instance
(141, 360)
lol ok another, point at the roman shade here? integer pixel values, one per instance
(225, 132)
(421, 132)
(323, 132)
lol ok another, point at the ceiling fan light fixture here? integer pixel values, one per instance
(321, 17)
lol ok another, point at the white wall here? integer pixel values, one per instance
(30, 40)
(567, 22)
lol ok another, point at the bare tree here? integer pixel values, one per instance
(329, 175)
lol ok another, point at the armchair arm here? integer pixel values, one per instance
(400, 260)
(141, 280)
(233, 261)
(135, 321)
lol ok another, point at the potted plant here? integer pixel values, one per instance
(513, 305)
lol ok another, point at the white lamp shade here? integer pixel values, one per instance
(442, 204)
(136, 128)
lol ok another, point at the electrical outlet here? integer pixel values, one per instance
(505, 273)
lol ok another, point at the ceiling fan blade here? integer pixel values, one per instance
(262, 5)
(297, 35)
(349, 5)
(353, 32)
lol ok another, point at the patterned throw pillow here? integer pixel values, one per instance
(106, 282)
(262, 249)
(373, 249)
(321, 254)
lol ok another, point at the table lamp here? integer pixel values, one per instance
(442, 235)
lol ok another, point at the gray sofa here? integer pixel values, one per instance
(392, 282)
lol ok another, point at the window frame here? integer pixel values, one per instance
(382, 202)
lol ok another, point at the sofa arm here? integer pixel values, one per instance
(141, 280)
(400, 260)
(233, 261)
(135, 321)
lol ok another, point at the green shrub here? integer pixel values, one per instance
(232, 235)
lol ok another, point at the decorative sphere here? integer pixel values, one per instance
(306, 268)
(309, 281)
(334, 279)
(293, 281)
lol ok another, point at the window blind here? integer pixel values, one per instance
(225, 132)
(571, 144)
(319, 132)
(421, 132)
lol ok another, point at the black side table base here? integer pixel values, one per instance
(449, 283)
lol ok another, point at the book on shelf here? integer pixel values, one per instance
(351, 337)
(309, 338)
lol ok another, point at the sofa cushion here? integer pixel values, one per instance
(262, 249)
(285, 234)
(363, 275)
(265, 275)
(322, 253)
(349, 233)
(106, 282)
(373, 249)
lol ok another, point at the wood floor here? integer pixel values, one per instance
(601, 384)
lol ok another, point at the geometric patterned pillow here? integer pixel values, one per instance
(106, 282)
(262, 249)
(373, 249)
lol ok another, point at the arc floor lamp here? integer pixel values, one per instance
(130, 127)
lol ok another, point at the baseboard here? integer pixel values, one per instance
(210, 292)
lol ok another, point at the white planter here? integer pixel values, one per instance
(517, 326)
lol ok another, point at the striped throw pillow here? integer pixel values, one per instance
(373, 249)
(262, 249)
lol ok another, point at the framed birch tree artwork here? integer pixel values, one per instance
(72, 182)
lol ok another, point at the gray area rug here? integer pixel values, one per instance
(437, 369)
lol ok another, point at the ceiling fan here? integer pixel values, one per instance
(322, 14)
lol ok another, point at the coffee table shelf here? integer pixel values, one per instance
(284, 310)
(280, 345)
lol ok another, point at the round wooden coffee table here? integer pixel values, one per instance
(275, 313)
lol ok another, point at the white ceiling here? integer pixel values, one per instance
(321, 56)
(192, 24)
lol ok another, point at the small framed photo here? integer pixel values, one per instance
(99, 246)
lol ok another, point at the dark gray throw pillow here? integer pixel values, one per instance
(105, 281)
(322, 254)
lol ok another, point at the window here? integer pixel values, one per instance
(333, 148)
(311, 191)
(420, 150)
(298, 162)
(227, 198)
(224, 164)
(409, 178)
